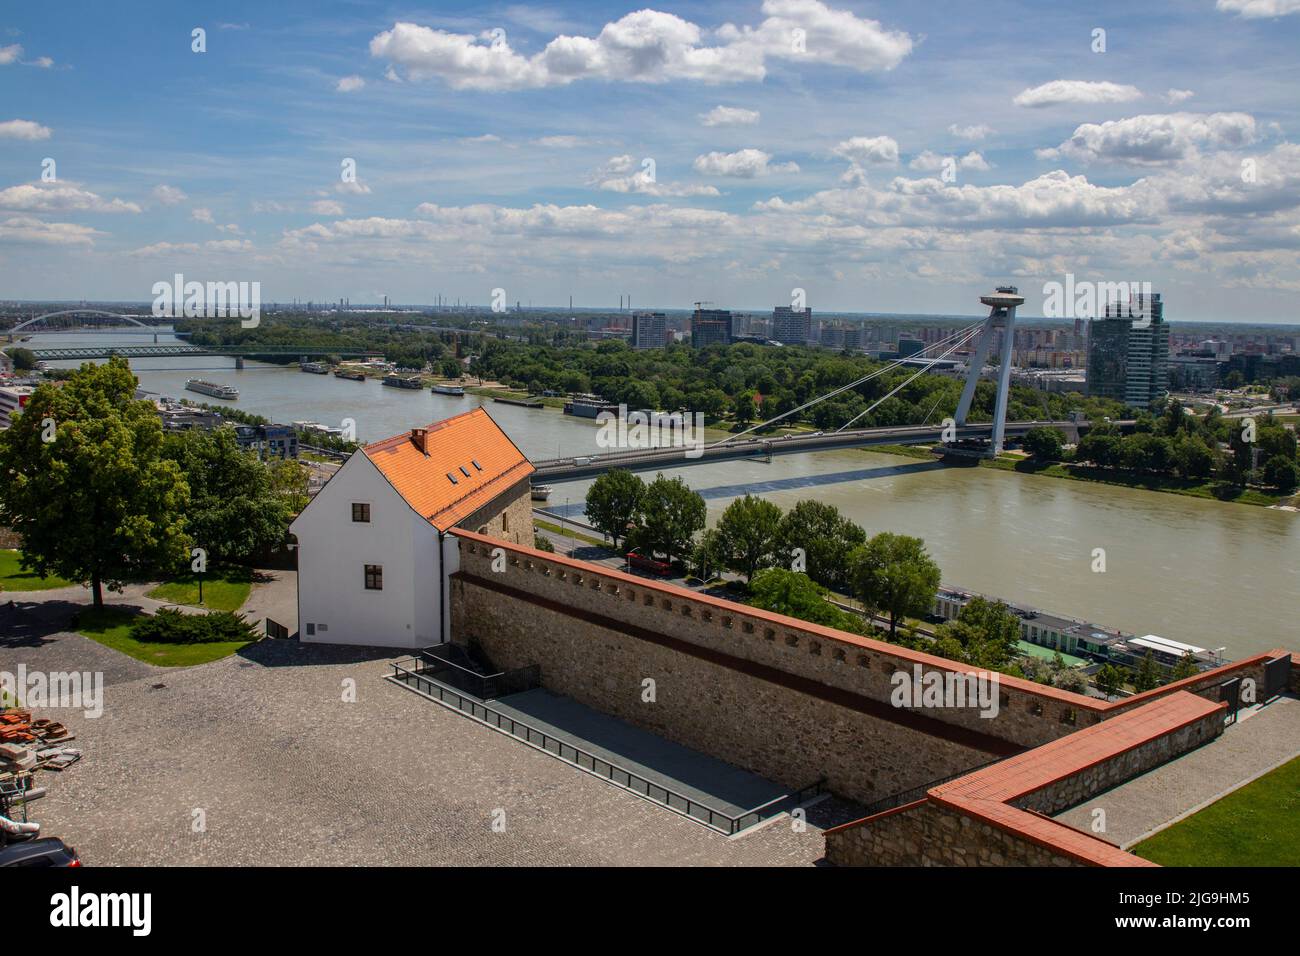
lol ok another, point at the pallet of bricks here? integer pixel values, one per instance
(28, 744)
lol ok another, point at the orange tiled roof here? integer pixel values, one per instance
(471, 447)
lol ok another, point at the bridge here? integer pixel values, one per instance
(651, 459)
(83, 353)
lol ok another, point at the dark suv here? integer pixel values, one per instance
(47, 851)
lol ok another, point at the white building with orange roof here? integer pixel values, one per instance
(374, 552)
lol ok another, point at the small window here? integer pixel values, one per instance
(505, 521)
(476, 465)
(464, 471)
(360, 512)
(452, 478)
(374, 577)
(311, 629)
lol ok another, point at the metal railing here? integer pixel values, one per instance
(912, 794)
(588, 762)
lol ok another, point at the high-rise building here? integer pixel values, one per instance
(711, 327)
(791, 326)
(649, 330)
(909, 347)
(1128, 352)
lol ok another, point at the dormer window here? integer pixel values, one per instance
(452, 478)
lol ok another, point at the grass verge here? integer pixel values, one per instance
(14, 578)
(224, 589)
(570, 532)
(1253, 826)
(112, 628)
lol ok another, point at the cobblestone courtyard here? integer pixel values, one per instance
(284, 771)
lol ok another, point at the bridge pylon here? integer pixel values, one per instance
(1002, 305)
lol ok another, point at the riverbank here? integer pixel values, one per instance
(1209, 490)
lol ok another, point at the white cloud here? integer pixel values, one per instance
(729, 116)
(647, 46)
(23, 129)
(44, 62)
(1077, 91)
(59, 197)
(1156, 139)
(229, 227)
(169, 195)
(624, 174)
(349, 84)
(930, 161)
(25, 229)
(1177, 96)
(327, 207)
(485, 138)
(742, 164)
(201, 214)
(559, 142)
(354, 188)
(868, 150)
(10, 54)
(976, 132)
(270, 206)
(1255, 9)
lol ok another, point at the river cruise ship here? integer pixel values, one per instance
(212, 388)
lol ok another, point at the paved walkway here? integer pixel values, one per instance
(1262, 738)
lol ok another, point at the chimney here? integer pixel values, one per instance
(418, 437)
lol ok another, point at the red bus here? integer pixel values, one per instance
(651, 565)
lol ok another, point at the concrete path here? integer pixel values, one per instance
(1262, 738)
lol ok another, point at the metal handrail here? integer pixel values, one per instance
(916, 793)
(612, 771)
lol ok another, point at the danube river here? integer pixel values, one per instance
(1211, 574)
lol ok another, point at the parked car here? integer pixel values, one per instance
(47, 851)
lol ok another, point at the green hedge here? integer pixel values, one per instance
(172, 627)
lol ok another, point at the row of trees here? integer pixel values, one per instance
(1175, 443)
(100, 494)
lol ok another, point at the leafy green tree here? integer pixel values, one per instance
(996, 632)
(237, 508)
(747, 535)
(796, 595)
(743, 410)
(1044, 443)
(98, 502)
(825, 536)
(1193, 457)
(614, 501)
(1186, 667)
(671, 516)
(893, 574)
(1109, 680)
(1282, 473)
(1148, 674)
(706, 557)
(24, 359)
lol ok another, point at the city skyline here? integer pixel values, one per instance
(870, 154)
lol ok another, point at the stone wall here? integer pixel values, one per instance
(508, 517)
(928, 834)
(719, 706)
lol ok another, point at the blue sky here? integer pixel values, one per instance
(888, 157)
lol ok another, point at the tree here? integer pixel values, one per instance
(744, 408)
(1186, 667)
(1147, 676)
(237, 509)
(706, 556)
(1109, 679)
(795, 595)
(614, 501)
(892, 573)
(1281, 473)
(671, 515)
(825, 536)
(996, 630)
(97, 502)
(747, 535)
(24, 359)
(1044, 443)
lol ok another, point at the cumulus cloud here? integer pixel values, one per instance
(624, 174)
(26, 229)
(349, 84)
(327, 207)
(1059, 92)
(485, 138)
(201, 214)
(647, 46)
(59, 197)
(930, 161)
(168, 195)
(10, 54)
(1256, 9)
(353, 188)
(729, 116)
(559, 142)
(23, 129)
(742, 164)
(1177, 96)
(1155, 139)
(976, 132)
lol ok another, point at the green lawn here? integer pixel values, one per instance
(111, 627)
(569, 531)
(1253, 826)
(13, 578)
(224, 589)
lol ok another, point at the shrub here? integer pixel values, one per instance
(172, 627)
